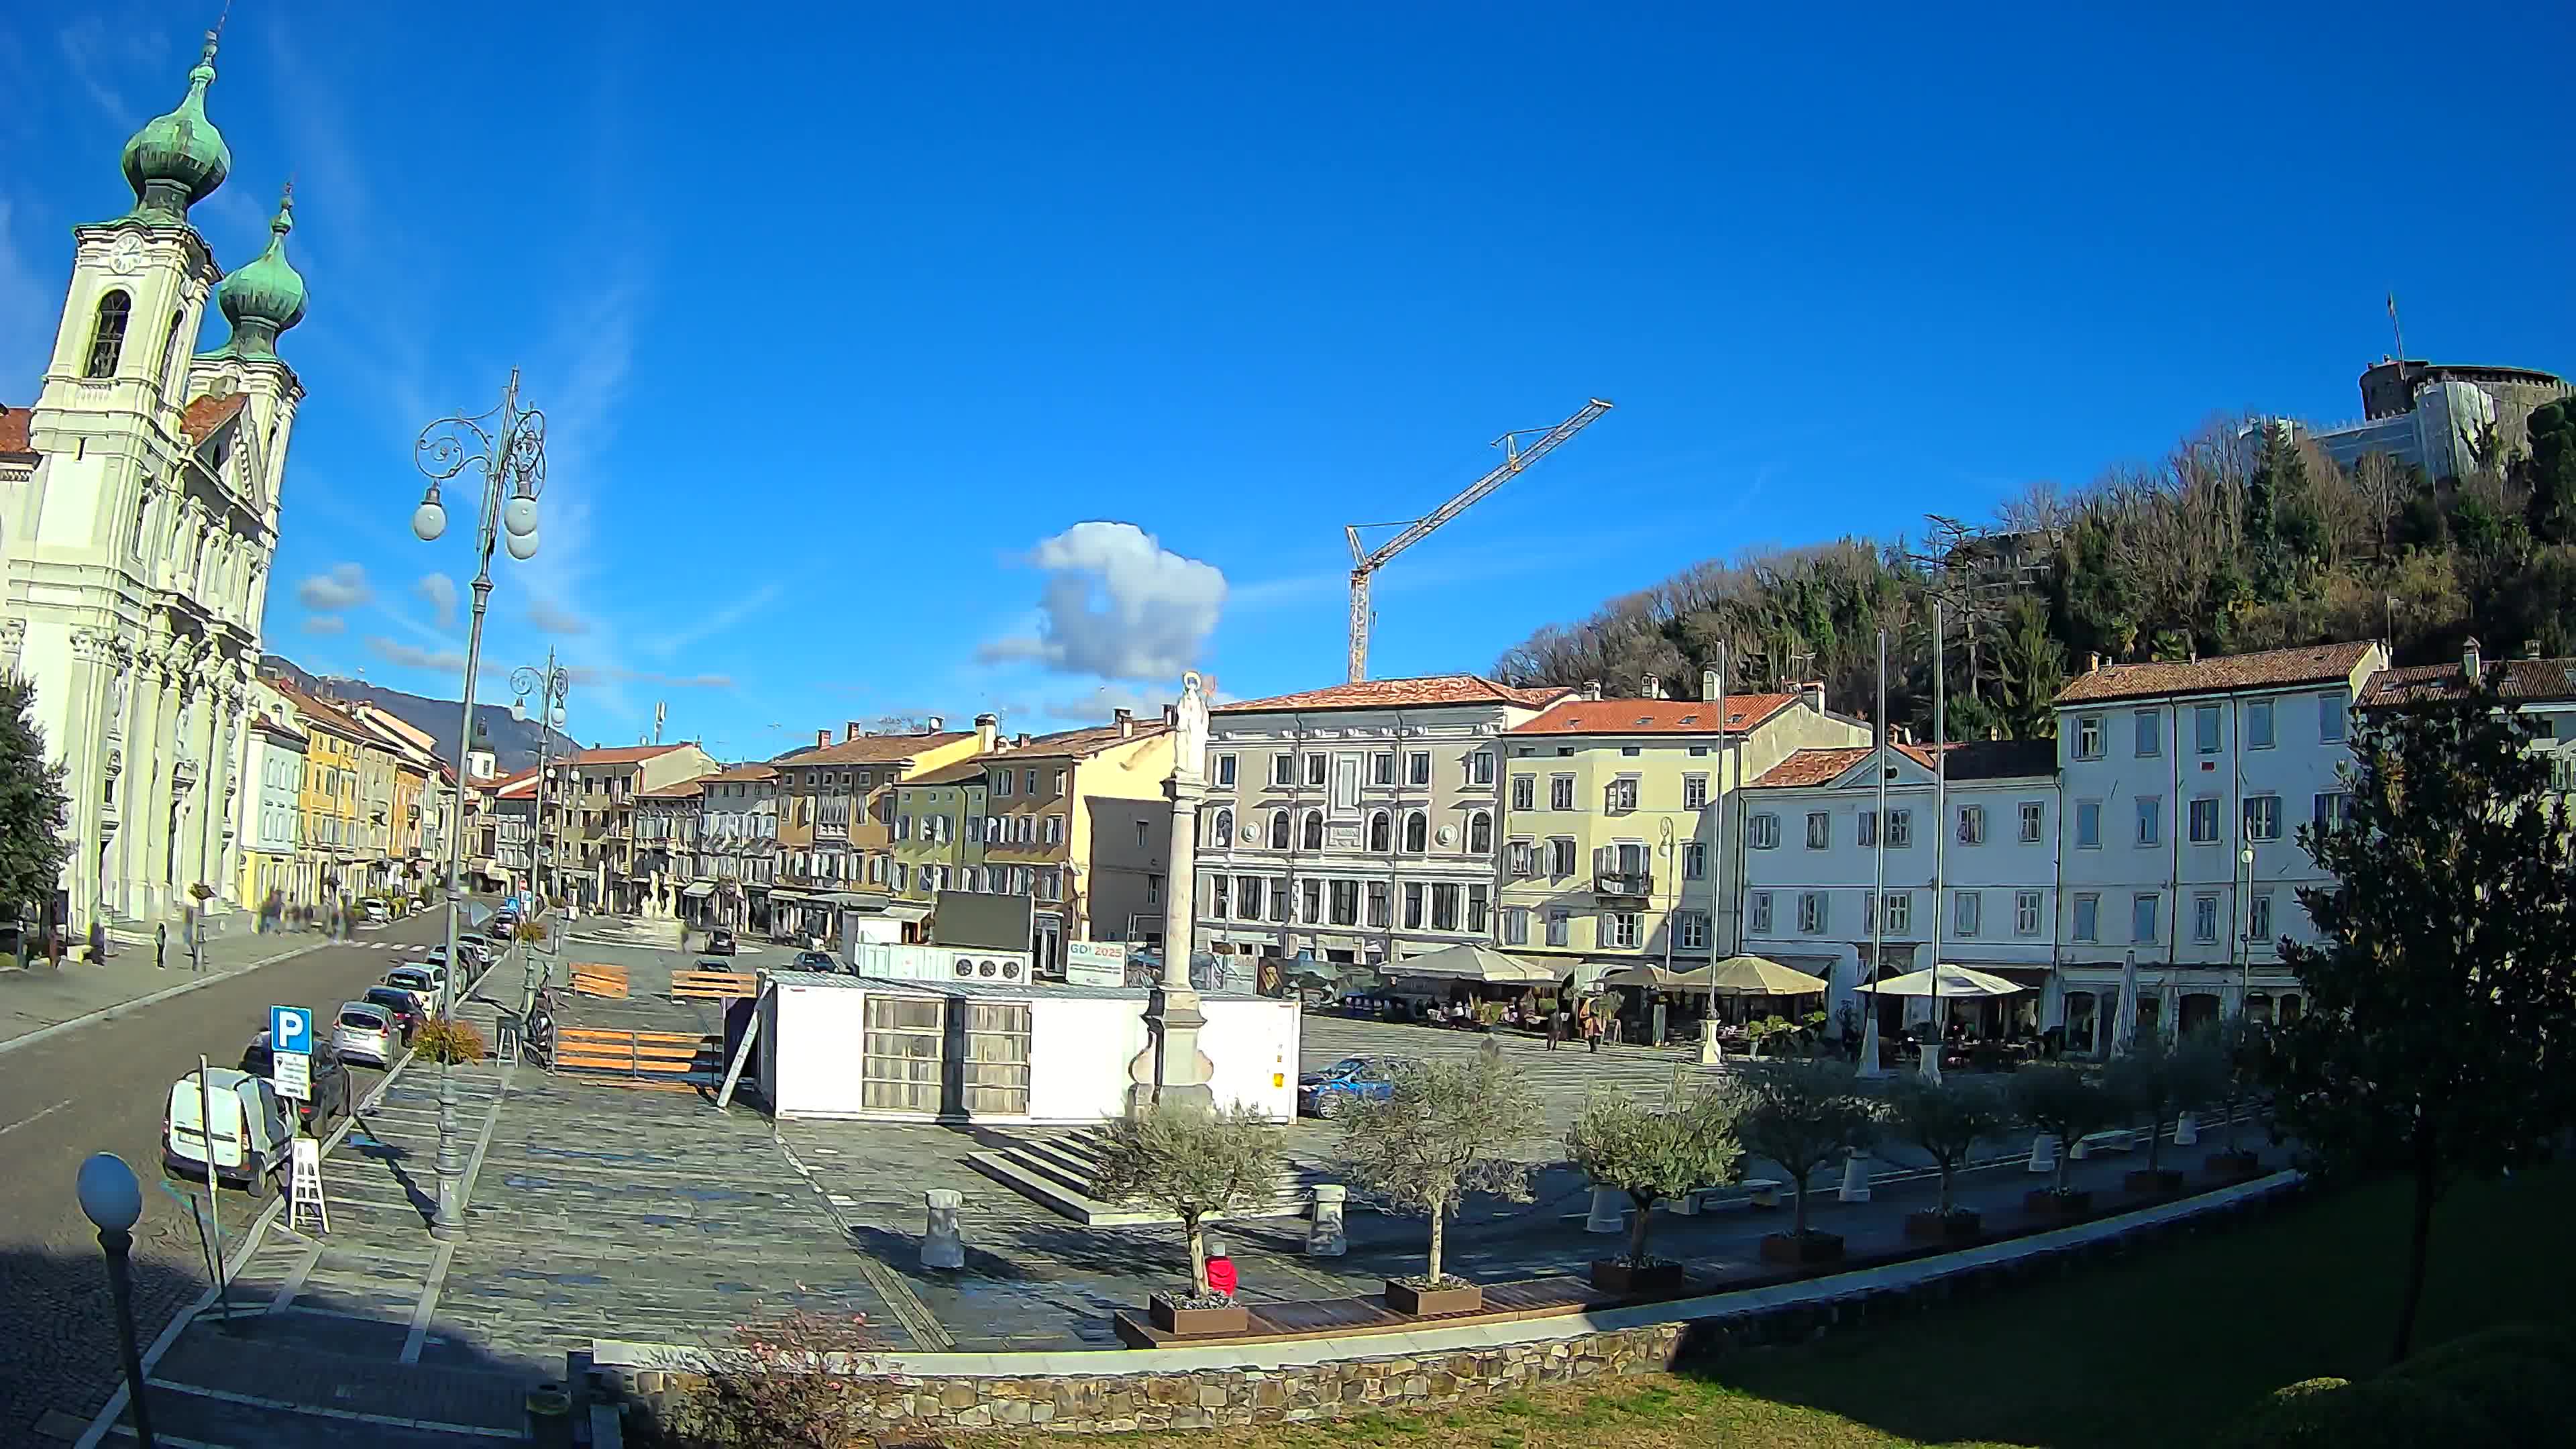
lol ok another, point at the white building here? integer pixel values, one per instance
(271, 834)
(135, 550)
(1812, 836)
(1357, 822)
(2184, 788)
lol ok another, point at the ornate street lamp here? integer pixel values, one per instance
(550, 685)
(112, 1200)
(508, 447)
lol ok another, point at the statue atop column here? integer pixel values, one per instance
(1172, 1068)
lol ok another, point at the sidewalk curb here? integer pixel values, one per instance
(111, 1013)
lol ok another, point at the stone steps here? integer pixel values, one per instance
(1056, 1170)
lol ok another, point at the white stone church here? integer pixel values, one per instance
(138, 523)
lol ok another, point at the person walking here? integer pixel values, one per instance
(161, 946)
(97, 942)
(1592, 1033)
(1555, 1026)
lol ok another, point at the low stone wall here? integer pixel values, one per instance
(1696, 1330)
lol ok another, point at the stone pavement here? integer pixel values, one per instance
(35, 999)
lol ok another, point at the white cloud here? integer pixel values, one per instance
(547, 617)
(325, 624)
(1118, 605)
(1103, 704)
(440, 592)
(344, 587)
(444, 661)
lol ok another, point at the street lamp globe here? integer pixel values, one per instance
(522, 546)
(519, 515)
(2245, 856)
(559, 716)
(429, 520)
(109, 1194)
(519, 709)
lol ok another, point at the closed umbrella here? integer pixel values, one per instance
(2128, 1024)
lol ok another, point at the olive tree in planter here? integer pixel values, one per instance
(2069, 1105)
(2157, 1080)
(1805, 1115)
(1651, 1155)
(1947, 1119)
(1193, 1164)
(1443, 1130)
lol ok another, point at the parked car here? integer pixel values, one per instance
(367, 1033)
(720, 942)
(407, 1015)
(374, 911)
(253, 1140)
(1351, 1077)
(330, 1080)
(418, 983)
(813, 961)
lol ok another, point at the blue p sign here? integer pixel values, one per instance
(290, 1029)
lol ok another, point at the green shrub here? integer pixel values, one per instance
(2553, 1346)
(2509, 1390)
(2382, 1413)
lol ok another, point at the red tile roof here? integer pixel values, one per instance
(1423, 693)
(2511, 679)
(622, 754)
(1085, 742)
(684, 790)
(317, 711)
(874, 749)
(2273, 668)
(13, 432)
(965, 771)
(205, 414)
(1654, 716)
(741, 774)
(1965, 760)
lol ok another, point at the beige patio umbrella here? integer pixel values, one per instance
(1754, 976)
(1469, 962)
(1651, 977)
(1956, 981)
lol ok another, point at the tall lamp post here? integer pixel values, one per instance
(112, 1200)
(508, 446)
(2245, 932)
(550, 685)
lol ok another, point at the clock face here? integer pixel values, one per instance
(127, 258)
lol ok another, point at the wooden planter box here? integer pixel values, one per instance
(1427, 1302)
(1191, 1322)
(1619, 1276)
(2063, 1207)
(2231, 1166)
(2162, 1179)
(1935, 1227)
(1791, 1248)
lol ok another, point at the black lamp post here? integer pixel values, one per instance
(112, 1200)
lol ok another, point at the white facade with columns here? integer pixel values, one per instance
(135, 553)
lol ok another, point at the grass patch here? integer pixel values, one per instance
(2157, 1350)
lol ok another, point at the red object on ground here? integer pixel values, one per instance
(1221, 1275)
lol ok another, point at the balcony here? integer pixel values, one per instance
(1623, 885)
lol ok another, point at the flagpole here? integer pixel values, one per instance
(1940, 837)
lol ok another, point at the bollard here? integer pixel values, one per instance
(941, 1247)
(1324, 1237)
(2187, 1129)
(2043, 1153)
(1856, 1178)
(1609, 1211)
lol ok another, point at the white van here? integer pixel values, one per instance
(254, 1132)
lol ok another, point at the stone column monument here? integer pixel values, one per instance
(1171, 1068)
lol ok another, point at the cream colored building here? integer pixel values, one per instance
(1079, 822)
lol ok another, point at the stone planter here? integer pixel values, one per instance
(1658, 1279)
(1195, 1322)
(1957, 1226)
(2233, 1166)
(2053, 1206)
(1791, 1248)
(2162, 1179)
(1429, 1302)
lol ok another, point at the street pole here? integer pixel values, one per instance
(1940, 839)
(1869, 1066)
(112, 1199)
(551, 688)
(510, 452)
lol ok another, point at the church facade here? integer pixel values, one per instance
(137, 539)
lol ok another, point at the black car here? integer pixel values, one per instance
(720, 942)
(330, 1081)
(814, 961)
(399, 1005)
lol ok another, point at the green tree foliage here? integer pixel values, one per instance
(1652, 1154)
(1446, 1130)
(2442, 984)
(2158, 1079)
(32, 808)
(1805, 1115)
(2244, 537)
(2066, 1102)
(1947, 1119)
(1192, 1164)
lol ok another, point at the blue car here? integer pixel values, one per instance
(1352, 1077)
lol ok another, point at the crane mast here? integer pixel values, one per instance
(1365, 563)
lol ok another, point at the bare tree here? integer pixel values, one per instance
(1193, 1164)
(1445, 1130)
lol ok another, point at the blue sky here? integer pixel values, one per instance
(846, 319)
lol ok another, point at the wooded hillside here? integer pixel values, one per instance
(2241, 539)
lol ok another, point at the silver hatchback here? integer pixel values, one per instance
(366, 1032)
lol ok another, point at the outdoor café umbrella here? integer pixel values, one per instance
(1469, 962)
(1755, 976)
(1956, 981)
(1651, 976)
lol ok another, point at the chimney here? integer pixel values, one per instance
(1591, 690)
(935, 724)
(2093, 662)
(988, 726)
(822, 738)
(849, 729)
(1126, 719)
(2469, 660)
(1654, 686)
(2530, 648)
(1022, 742)
(1708, 684)
(1813, 692)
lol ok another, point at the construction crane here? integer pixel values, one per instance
(1365, 564)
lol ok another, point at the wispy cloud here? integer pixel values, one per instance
(1101, 705)
(343, 586)
(1116, 604)
(394, 651)
(95, 49)
(717, 622)
(439, 591)
(325, 624)
(28, 307)
(547, 617)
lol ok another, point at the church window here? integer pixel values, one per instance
(107, 334)
(170, 358)
(142, 513)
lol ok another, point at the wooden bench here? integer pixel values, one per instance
(639, 1054)
(710, 985)
(592, 978)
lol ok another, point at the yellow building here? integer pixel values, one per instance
(335, 839)
(1612, 853)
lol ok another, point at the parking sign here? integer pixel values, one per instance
(290, 1029)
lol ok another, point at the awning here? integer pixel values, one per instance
(906, 911)
(697, 890)
(782, 893)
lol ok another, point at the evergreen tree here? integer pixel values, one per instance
(32, 808)
(2549, 472)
